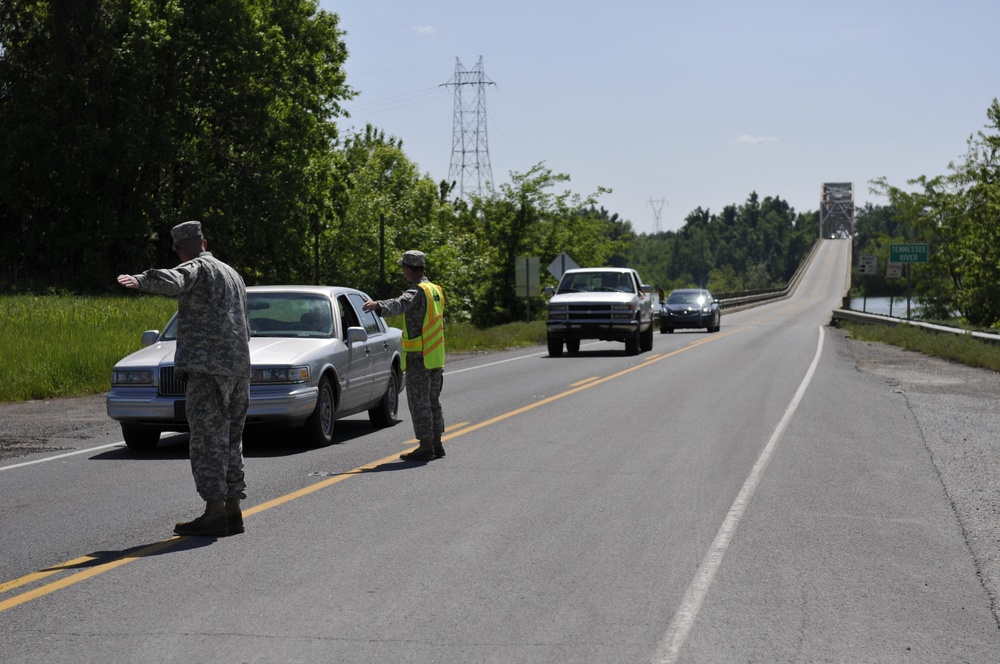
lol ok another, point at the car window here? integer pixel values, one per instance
(369, 320)
(289, 315)
(687, 297)
(598, 281)
(348, 317)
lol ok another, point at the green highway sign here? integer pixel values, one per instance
(908, 253)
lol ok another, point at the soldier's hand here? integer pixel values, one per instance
(128, 281)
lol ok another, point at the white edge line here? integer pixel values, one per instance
(62, 456)
(683, 620)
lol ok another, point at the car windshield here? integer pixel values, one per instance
(687, 297)
(584, 282)
(281, 315)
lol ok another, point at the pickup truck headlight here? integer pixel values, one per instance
(279, 374)
(622, 311)
(131, 377)
(558, 311)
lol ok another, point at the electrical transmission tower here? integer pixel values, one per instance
(470, 152)
(657, 206)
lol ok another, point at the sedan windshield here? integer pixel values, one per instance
(687, 297)
(281, 315)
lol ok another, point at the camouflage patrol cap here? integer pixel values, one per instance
(188, 229)
(412, 258)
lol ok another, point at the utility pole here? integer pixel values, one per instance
(470, 153)
(657, 206)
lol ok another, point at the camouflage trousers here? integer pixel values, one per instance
(423, 396)
(216, 411)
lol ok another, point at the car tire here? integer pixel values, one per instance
(646, 340)
(573, 345)
(666, 330)
(384, 414)
(632, 343)
(555, 346)
(320, 425)
(140, 438)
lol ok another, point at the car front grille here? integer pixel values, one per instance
(170, 385)
(588, 312)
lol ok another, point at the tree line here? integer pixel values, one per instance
(120, 119)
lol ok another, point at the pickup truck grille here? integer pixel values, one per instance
(580, 313)
(170, 385)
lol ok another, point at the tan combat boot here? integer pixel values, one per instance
(210, 524)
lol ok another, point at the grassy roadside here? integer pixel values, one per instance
(64, 346)
(958, 348)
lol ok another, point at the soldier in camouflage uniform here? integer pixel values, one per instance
(425, 365)
(213, 357)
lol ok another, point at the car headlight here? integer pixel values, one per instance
(279, 374)
(131, 377)
(559, 311)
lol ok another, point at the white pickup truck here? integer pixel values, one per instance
(606, 303)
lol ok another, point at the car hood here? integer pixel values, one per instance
(263, 351)
(601, 297)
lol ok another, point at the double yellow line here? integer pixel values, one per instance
(94, 568)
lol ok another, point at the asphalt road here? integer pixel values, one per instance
(771, 492)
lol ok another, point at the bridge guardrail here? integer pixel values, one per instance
(738, 300)
(879, 319)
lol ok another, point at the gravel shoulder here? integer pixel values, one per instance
(958, 411)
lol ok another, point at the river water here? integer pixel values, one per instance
(881, 305)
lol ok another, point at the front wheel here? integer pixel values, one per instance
(555, 346)
(384, 414)
(632, 343)
(319, 427)
(646, 340)
(140, 438)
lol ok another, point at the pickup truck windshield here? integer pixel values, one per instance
(596, 282)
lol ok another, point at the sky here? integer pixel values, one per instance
(681, 104)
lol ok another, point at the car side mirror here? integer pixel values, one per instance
(549, 290)
(646, 288)
(149, 337)
(356, 335)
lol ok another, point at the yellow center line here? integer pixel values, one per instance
(456, 431)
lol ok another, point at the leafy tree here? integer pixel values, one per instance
(119, 119)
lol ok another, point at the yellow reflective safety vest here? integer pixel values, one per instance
(430, 343)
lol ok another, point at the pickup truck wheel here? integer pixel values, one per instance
(646, 340)
(555, 346)
(140, 438)
(319, 427)
(665, 330)
(632, 344)
(573, 345)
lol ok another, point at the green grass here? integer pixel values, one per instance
(964, 349)
(60, 346)
(64, 346)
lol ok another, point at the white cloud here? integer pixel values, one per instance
(748, 138)
(424, 29)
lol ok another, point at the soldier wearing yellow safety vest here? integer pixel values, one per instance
(423, 353)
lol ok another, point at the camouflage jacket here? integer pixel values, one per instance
(213, 332)
(413, 302)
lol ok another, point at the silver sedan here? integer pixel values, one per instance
(316, 356)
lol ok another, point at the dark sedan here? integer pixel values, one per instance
(690, 308)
